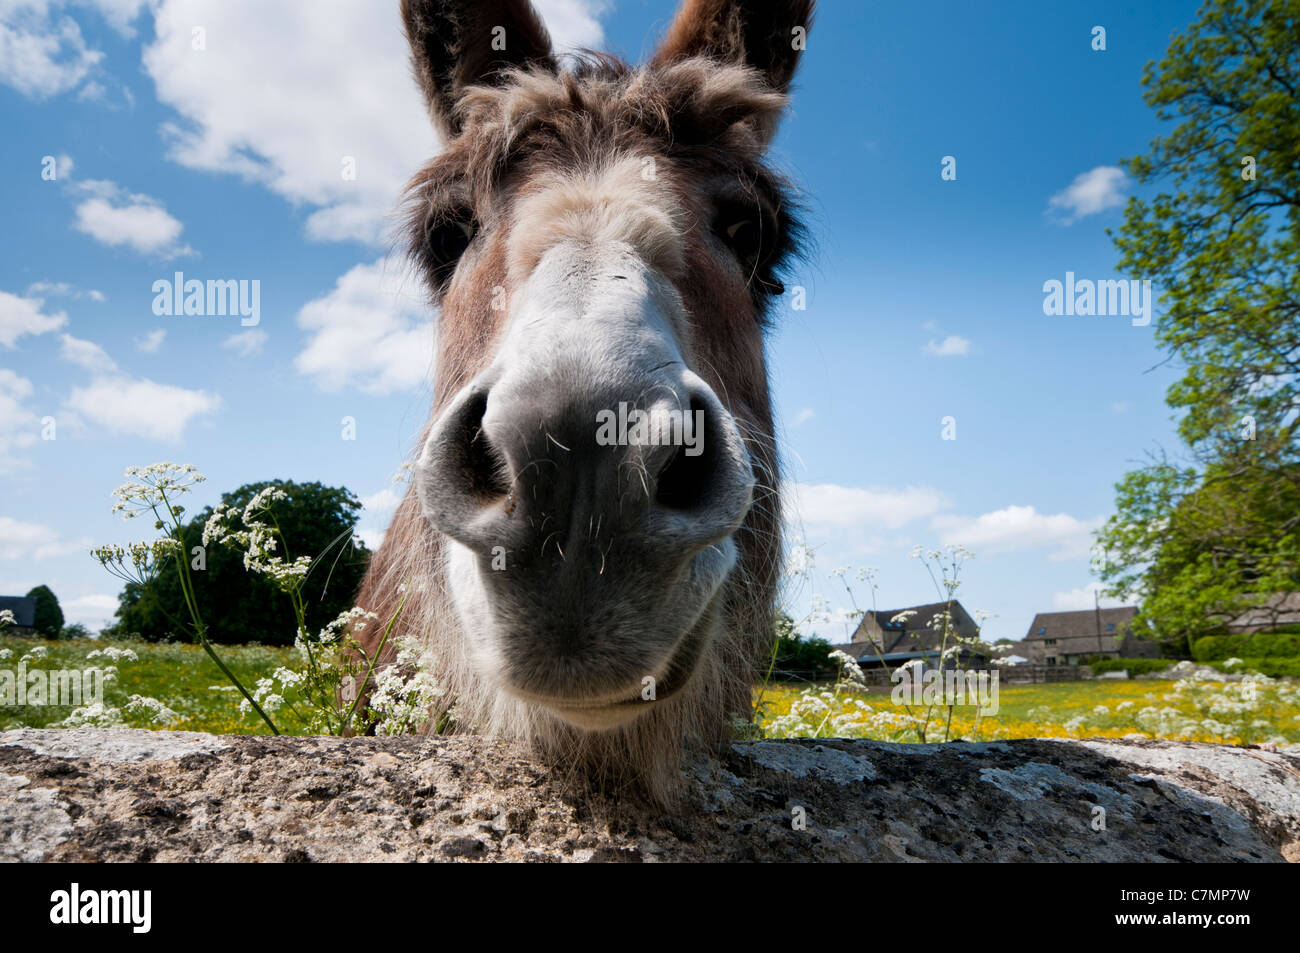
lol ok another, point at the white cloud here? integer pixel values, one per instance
(41, 55)
(42, 50)
(1081, 597)
(13, 387)
(92, 92)
(140, 407)
(951, 346)
(1091, 192)
(822, 508)
(18, 423)
(93, 611)
(573, 24)
(288, 122)
(247, 343)
(152, 341)
(373, 331)
(86, 354)
(119, 14)
(372, 538)
(19, 316)
(1120, 407)
(1019, 528)
(62, 289)
(114, 401)
(381, 506)
(34, 541)
(805, 414)
(378, 508)
(113, 217)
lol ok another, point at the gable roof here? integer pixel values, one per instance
(910, 636)
(23, 608)
(1081, 624)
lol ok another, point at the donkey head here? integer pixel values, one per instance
(603, 244)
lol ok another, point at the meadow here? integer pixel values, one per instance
(179, 675)
(1253, 710)
(185, 681)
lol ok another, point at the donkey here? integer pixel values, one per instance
(601, 242)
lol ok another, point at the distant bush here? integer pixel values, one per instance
(48, 617)
(1134, 666)
(1279, 644)
(1274, 667)
(795, 658)
(802, 659)
(119, 633)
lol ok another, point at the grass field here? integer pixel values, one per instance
(180, 676)
(1234, 712)
(184, 679)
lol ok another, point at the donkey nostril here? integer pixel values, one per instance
(483, 470)
(684, 484)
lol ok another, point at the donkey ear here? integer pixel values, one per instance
(768, 35)
(456, 44)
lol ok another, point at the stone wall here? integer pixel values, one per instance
(117, 795)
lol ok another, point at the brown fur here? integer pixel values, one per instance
(704, 111)
(758, 34)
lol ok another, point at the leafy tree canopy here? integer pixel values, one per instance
(49, 616)
(1204, 534)
(242, 606)
(796, 656)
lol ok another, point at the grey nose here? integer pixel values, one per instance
(542, 468)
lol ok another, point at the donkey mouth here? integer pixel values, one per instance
(612, 709)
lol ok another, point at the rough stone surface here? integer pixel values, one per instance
(114, 744)
(93, 795)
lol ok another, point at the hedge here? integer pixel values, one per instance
(1134, 666)
(1216, 648)
(1275, 667)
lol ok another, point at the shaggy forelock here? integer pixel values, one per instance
(690, 100)
(692, 110)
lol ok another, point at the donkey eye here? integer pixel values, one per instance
(751, 233)
(743, 234)
(446, 237)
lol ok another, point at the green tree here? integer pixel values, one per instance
(796, 657)
(243, 606)
(49, 617)
(1204, 534)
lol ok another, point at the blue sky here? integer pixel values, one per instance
(924, 295)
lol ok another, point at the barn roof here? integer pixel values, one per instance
(1081, 624)
(911, 638)
(921, 618)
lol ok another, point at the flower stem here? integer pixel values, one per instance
(191, 603)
